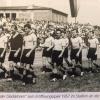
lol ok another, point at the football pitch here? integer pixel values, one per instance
(90, 82)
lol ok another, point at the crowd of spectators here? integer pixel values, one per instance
(42, 27)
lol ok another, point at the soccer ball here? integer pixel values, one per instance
(70, 71)
(77, 71)
(55, 71)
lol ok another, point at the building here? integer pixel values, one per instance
(34, 13)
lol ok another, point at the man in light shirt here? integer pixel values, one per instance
(57, 56)
(92, 50)
(47, 51)
(28, 55)
(76, 50)
(3, 46)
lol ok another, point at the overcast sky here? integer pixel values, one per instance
(89, 10)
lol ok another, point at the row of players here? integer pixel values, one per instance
(55, 48)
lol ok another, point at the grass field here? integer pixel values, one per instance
(90, 82)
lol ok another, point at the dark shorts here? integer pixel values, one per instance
(3, 58)
(73, 56)
(91, 54)
(46, 53)
(56, 59)
(28, 60)
(65, 54)
(12, 58)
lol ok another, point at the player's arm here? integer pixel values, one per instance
(97, 45)
(51, 46)
(63, 49)
(80, 48)
(5, 47)
(34, 46)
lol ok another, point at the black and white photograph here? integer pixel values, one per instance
(49, 46)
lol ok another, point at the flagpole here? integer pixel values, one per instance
(75, 19)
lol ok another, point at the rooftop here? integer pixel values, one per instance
(31, 7)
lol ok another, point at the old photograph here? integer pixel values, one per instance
(49, 46)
